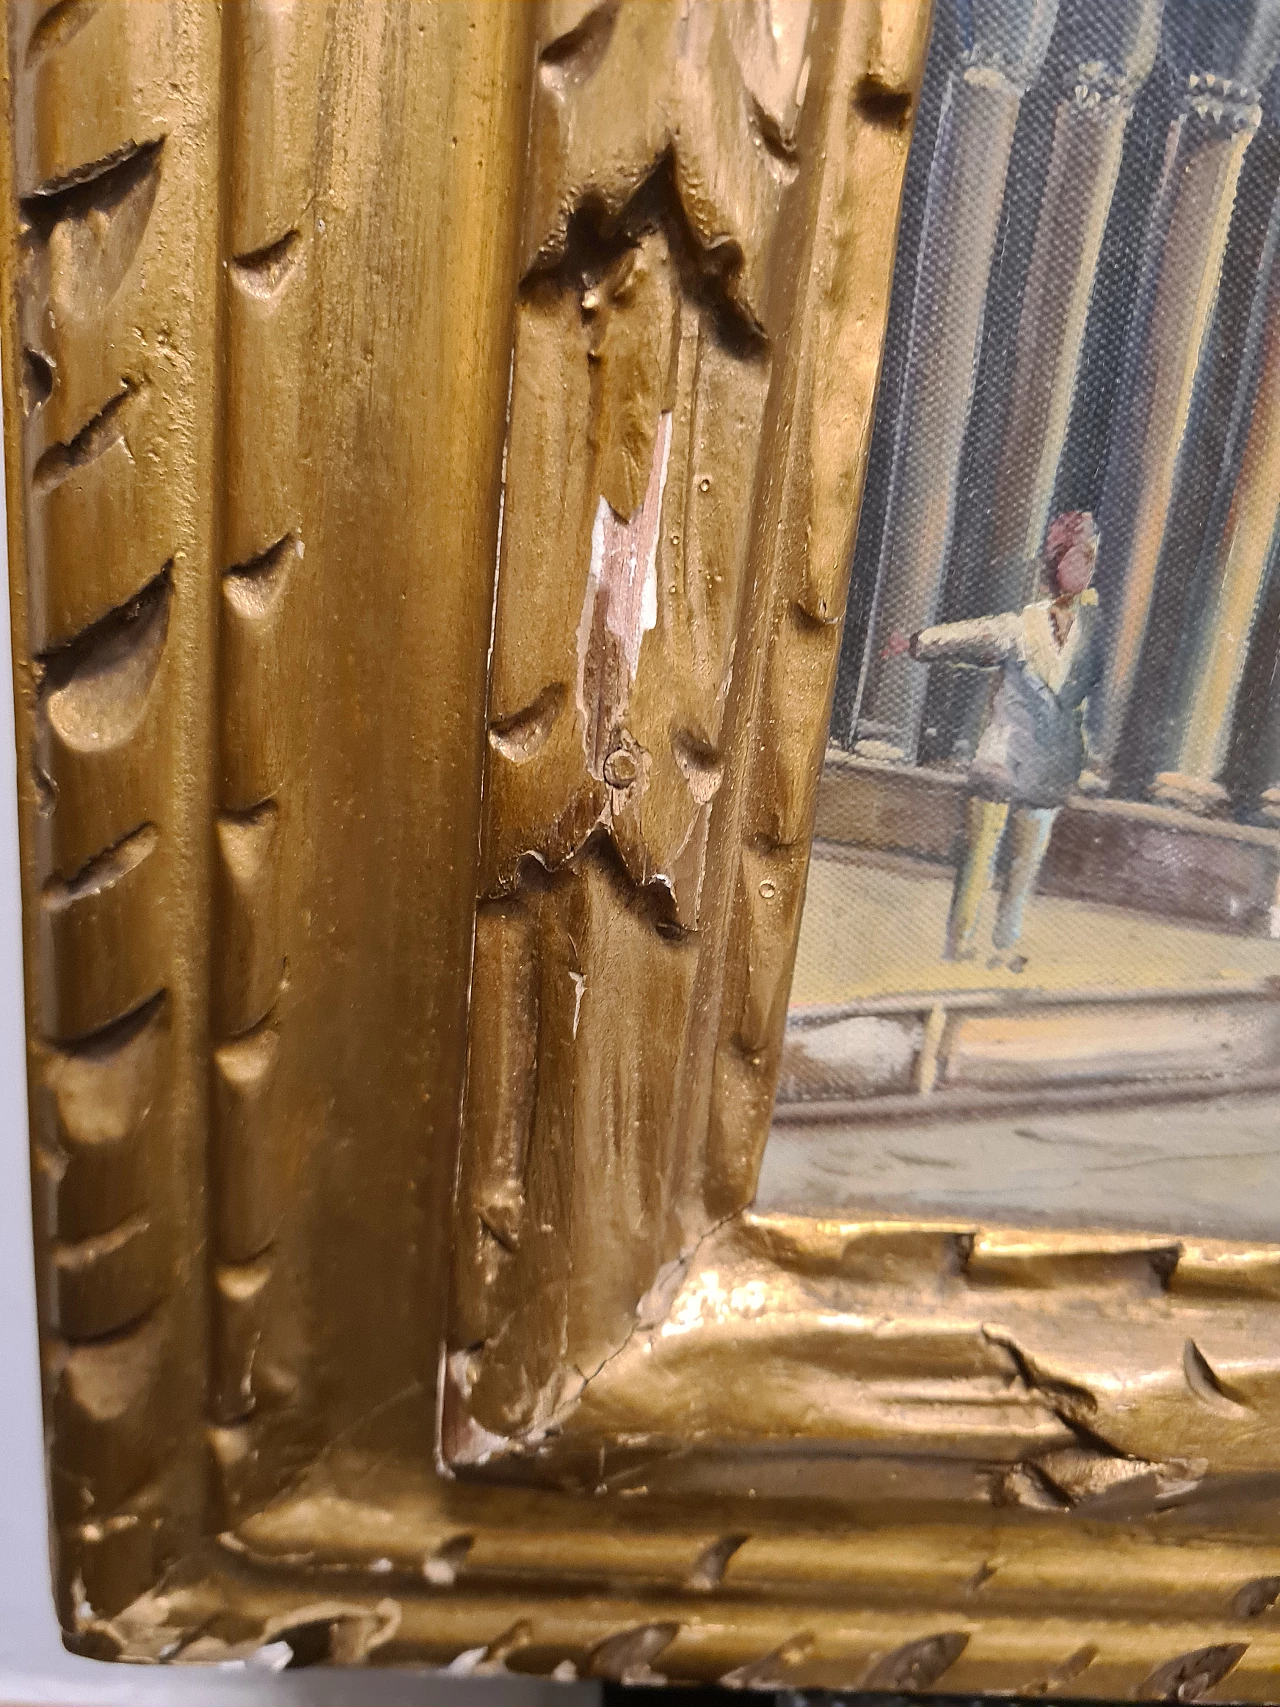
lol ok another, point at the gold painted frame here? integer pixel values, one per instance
(316, 316)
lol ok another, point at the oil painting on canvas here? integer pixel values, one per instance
(1039, 966)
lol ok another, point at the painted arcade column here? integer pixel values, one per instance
(1229, 50)
(1112, 51)
(1006, 48)
(1269, 799)
(1262, 761)
(1210, 670)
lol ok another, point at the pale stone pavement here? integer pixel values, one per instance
(874, 925)
(1209, 1167)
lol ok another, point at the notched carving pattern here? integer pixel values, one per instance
(1256, 1597)
(97, 185)
(837, 291)
(917, 1665)
(100, 707)
(100, 875)
(628, 1657)
(799, 1607)
(1191, 1676)
(94, 226)
(94, 1107)
(771, 1670)
(96, 437)
(710, 1566)
(102, 388)
(272, 62)
(57, 24)
(37, 379)
(578, 51)
(266, 270)
(519, 736)
(881, 104)
(1206, 1385)
(100, 719)
(1059, 1676)
(95, 690)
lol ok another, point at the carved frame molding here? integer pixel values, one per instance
(687, 1440)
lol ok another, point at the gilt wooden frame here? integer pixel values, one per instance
(300, 843)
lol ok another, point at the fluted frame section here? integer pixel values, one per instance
(260, 264)
(111, 210)
(273, 57)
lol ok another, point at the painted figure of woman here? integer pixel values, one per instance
(1032, 750)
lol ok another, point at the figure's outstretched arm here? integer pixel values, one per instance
(981, 643)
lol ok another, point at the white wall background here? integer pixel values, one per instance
(34, 1667)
